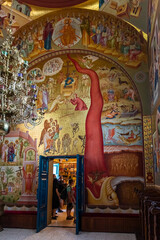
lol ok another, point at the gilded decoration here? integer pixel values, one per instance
(147, 131)
(83, 29)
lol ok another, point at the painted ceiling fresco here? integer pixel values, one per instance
(132, 11)
(105, 34)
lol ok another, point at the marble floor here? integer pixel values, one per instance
(58, 233)
(60, 229)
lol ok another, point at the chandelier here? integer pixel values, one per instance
(17, 94)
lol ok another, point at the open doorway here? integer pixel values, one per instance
(65, 170)
(45, 189)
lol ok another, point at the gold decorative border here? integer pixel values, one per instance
(148, 154)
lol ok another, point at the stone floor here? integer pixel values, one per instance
(60, 229)
(59, 233)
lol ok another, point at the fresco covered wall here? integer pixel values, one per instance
(155, 82)
(92, 104)
(71, 115)
(18, 170)
(154, 75)
(132, 11)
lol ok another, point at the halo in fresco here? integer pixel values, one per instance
(52, 67)
(67, 32)
(36, 75)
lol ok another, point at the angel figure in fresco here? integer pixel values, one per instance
(68, 33)
(29, 177)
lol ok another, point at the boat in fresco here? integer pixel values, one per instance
(130, 140)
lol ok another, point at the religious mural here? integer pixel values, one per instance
(92, 107)
(18, 168)
(84, 96)
(103, 33)
(133, 11)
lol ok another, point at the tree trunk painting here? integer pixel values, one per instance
(95, 167)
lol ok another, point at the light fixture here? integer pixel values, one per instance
(17, 94)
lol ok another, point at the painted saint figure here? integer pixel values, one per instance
(68, 33)
(11, 154)
(47, 35)
(29, 177)
(45, 97)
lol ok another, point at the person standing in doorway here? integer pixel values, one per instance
(61, 190)
(69, 199)
(56, 197)
(73, 194)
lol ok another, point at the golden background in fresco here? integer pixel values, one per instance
(64, 112)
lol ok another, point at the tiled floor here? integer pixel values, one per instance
(57, 233)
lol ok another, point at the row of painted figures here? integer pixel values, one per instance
(107, 32)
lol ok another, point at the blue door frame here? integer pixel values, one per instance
(42, 191)
(79, 192)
